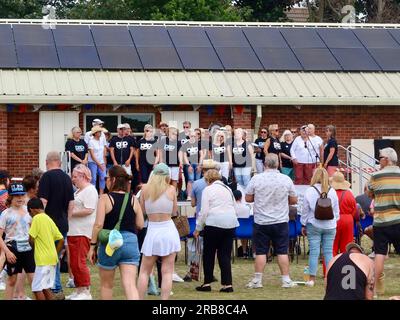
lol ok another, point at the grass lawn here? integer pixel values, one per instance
(242, 273)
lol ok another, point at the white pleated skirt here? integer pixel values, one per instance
(161, 239)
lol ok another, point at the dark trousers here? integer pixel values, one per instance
(145, 170)
(218, 240)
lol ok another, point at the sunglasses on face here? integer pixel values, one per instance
(263, 131)
(185, 127)
(293, 132)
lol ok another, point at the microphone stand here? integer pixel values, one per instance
(317, 158)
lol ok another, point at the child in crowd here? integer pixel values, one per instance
(243, 211)
(15, 222)
(43, 234)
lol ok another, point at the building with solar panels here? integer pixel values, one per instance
(249, 75)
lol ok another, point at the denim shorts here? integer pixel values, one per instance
(127, 254)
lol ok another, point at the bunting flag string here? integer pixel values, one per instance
(10, 107)
(22, 108)
(210, 110)
(239, 110)
(88, 106)
(220, 110)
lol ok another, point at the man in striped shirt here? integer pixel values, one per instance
(384, 187)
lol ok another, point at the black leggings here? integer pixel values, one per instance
(218, 240)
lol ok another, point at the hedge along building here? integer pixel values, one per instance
(53, 77)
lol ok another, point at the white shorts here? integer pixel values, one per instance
(43, 278)
(174, 173)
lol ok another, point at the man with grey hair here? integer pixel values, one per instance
(57, 195)
(272, 193)
(384, 188)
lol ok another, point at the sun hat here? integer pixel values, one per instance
(115, 241)
(210, 164)
(353, 245)
(98, 121)
(16, 189)
(161, 169)
(96, 129)
(338, 182)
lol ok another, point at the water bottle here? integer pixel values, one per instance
(306, 274)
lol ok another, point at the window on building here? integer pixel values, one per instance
(137, 121)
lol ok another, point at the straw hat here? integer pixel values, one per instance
(338, 182)
(96, 129)
(210, 164)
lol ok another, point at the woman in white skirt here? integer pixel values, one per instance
(158, 200)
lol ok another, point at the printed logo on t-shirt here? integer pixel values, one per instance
(121, 144)
(219, 150)
(184, 140)
(169, 147)
(277, 146)
(193, 150)
(261, 144)
(145, 146)
(238, 150)
(79, 148)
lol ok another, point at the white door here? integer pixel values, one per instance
(54, 126)
(176, 118)
(361, 148)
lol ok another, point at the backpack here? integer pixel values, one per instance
(323, 207)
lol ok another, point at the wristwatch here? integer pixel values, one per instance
(93, 244)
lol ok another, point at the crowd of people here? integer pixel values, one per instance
(116, 210)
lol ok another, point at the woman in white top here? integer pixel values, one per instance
(97, 158)
(319, 232)
(218, 218)
(80, 230)
(158, 201)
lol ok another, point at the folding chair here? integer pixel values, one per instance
(192, 225)
(244, 231)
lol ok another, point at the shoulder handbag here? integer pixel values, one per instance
(323, 207)
(105, 233)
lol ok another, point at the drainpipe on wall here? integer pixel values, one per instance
(257, 123)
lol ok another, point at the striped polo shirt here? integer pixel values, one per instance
(385, 184)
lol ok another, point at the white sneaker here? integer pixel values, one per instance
(69, 297)
(82, 296)
(189, 199)
(176, 278)
(2, 285)
(70, 283)
(372, 255)
(310, 283)
(254, 284)
(288, 284)
(171, 293)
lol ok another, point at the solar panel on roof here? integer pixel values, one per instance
(111, 36)
(339, 38)
(189, 37)
(151, 36)
(37, 57)
(265, 37)
(314, 59)
(227, 37)
(6, 36)
(159, 58)
(65, 35)
(395, 33)
(199, 58)
(8, 57)
(238, 58)
(376, 38)
(355, 59)
(387, 58)
(302, 38)
(32, 35)
(278, 59)
(78, 57)
(119, 57)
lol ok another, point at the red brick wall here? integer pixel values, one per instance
(206, 119)
(23, 142)
(3, 138)
(352, 122)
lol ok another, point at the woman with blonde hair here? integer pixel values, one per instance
(146, 155)
(221, 152)
(286, 159)
(169, 154)
(218, 219)
(319, 232)
(77, 148)
(158, 201)
(80, 230)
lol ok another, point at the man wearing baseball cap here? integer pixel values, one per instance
(350, 275)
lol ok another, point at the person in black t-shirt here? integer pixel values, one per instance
(57, 195)
(147, 155)
(169, 154)
(121, 150)
(77, 147)
(260, 156)
(221, 152)
(286, 158)
(242, 152)
(184, 138)
(273, 145)
(193, 156)
(331, 162)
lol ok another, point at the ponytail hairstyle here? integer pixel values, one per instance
(119, 179)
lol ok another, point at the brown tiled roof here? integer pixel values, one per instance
(298, 14)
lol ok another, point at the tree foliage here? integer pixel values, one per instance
(265, 10)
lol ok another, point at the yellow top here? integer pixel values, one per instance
(45, 232)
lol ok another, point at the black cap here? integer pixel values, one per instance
(16, 189)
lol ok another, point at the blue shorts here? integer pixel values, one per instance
(127, 254)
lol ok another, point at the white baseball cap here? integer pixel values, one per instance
(97, 121)
(121, 126)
